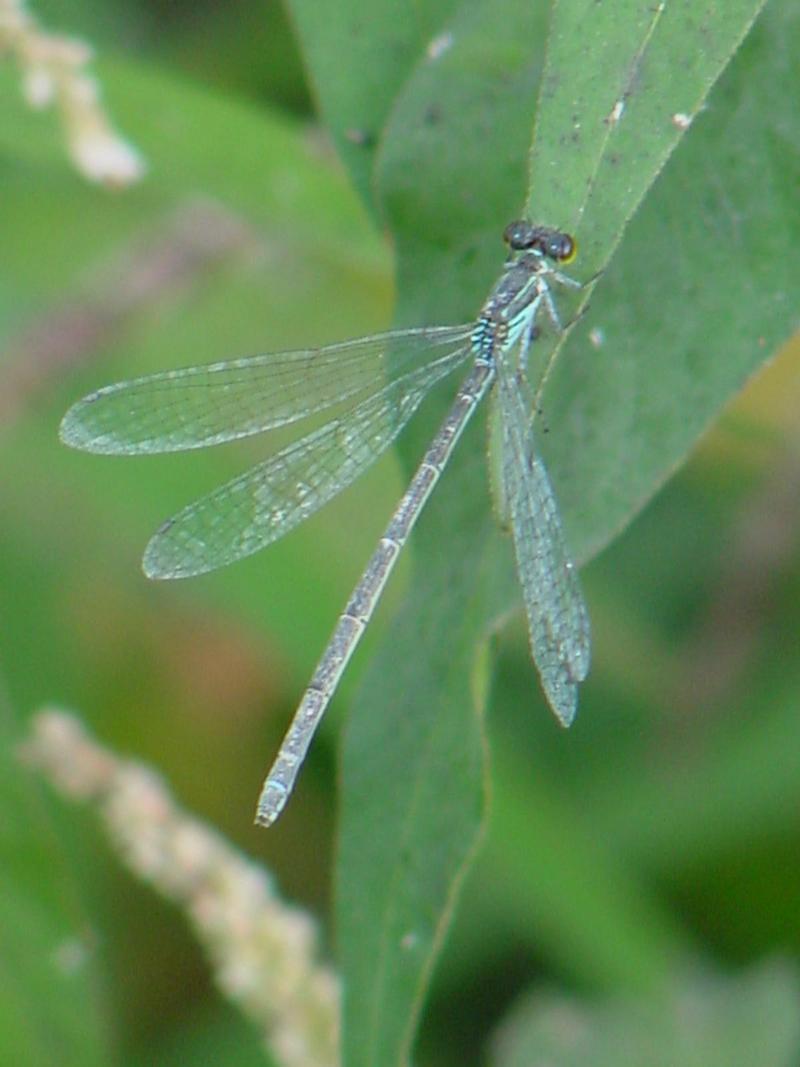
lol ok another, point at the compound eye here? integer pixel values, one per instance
(562, 247)
(519, 235)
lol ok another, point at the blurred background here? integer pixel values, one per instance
(666, 824)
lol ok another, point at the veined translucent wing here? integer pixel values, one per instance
(558, 620)
(274, 496)
(177, 410)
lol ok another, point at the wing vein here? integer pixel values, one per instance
(272, 497)
(179, 410)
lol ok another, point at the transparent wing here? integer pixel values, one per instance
(558, 621)
(182, 409)
(271, 498)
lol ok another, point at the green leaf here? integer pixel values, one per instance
(357, 63)
(412, 804)
(413, 751)
(697, 297)
(622, 84)
(452, 163)
(703, 1021)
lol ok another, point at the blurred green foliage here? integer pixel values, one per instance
(663, 830)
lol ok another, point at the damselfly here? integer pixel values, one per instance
(369, 389)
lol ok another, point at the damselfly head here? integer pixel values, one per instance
(522, 235)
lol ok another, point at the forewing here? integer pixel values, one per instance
(558, 621)
(271, 498)
(183, 409)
